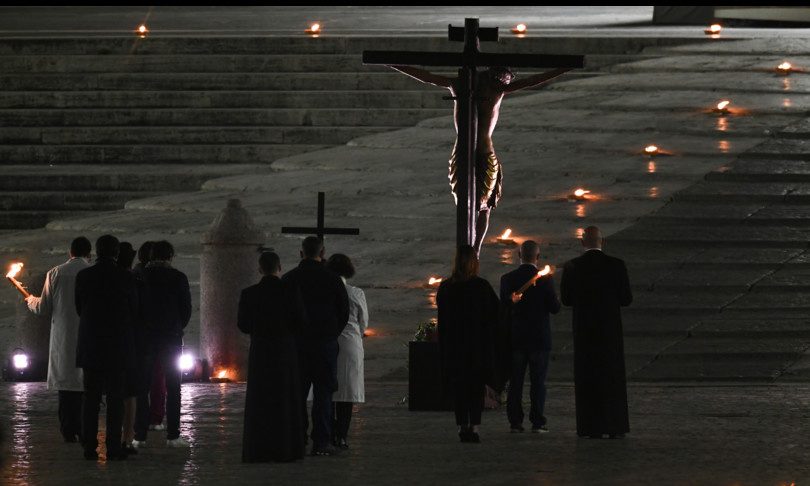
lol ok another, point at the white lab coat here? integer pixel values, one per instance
(351, 386)
(58, 299)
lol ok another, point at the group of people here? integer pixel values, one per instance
(484, 340)
(306, 330)
(110, 324)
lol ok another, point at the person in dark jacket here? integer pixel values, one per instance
(166, 311)
(327, 308)
(467, 319)
(596, 286)
(272, 312)
(530, 335)
(106, 301)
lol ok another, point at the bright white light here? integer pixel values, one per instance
(20, 361)
(186, 362)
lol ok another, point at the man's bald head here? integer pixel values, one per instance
(529, 252)
(592, 238)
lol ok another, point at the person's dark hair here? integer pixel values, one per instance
(269, 262)
(341, 265)
(161, 250)
(466, 264)
(107, 246)
(80, 247)
(311, 246)
(126, 255)
(145, 251)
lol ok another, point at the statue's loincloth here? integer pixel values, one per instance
(488, 178)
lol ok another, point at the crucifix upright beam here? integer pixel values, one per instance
(467, 117)
(320, 229)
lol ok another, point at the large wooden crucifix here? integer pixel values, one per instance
(320, 229)
(475, 173)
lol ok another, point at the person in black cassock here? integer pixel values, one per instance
(467, 319)
(271, 312)
(596, 286)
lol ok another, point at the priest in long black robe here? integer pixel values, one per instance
(596, 286)
(270, 312)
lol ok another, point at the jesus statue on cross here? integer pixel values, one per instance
(491, 86)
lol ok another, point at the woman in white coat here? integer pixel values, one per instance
(351, 388)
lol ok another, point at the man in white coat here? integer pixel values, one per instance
(57, 299)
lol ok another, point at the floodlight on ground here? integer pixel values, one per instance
(20, 361)
(186, 363)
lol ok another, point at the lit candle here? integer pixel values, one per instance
(519, 29)
(722, 107)
(785, 67)
(434, 281)
(15, 269)
(314, 29)
(651, 150)
(505, 238)
(714, 29)
(581, 193)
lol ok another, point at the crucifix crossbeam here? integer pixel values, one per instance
(466, 94)
(320, 230)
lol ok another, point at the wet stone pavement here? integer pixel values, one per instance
(713, 434)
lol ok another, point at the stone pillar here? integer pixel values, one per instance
(229, 263)
(33, 332)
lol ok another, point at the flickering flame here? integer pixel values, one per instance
(519, 29)
(714, 29)
(581, 193)
(785, 66)
(434, 281)
(222, 374)
(15, 269)
(651, 149)
(142, 29)
(314, 29)
(722, 105)
(545, 271)
(505, 234)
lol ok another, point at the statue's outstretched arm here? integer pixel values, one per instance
(534, 80)
(425, 76)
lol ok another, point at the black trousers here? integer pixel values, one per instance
(70, 415)
(343, 418)
(98, 381)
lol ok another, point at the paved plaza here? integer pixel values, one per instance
(714, 231)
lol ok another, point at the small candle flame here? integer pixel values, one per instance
(519, 29)
(545, 271)
(581, 192)
(651, 149)
(15, 269)
(222, 374)
(314, 28)
(715, 28)
(434, 281)
(785, 66)
(722, 105)
(506, 234)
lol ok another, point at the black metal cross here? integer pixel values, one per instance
(320, 230)
(467, 118)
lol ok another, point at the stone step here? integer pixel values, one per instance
(68, 200)
(218, 117)
(183, 135)
(30, 219)
(415, 97)
(151, 154)
(245, 81)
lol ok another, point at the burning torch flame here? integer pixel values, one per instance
(15, 269)
(785, 66)
(434, 281)
(314, 29)
(545, 271)
(651, 149)
(505, 234)
(542, 273)
(722, 105)
(581, 193)
(222, 374)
